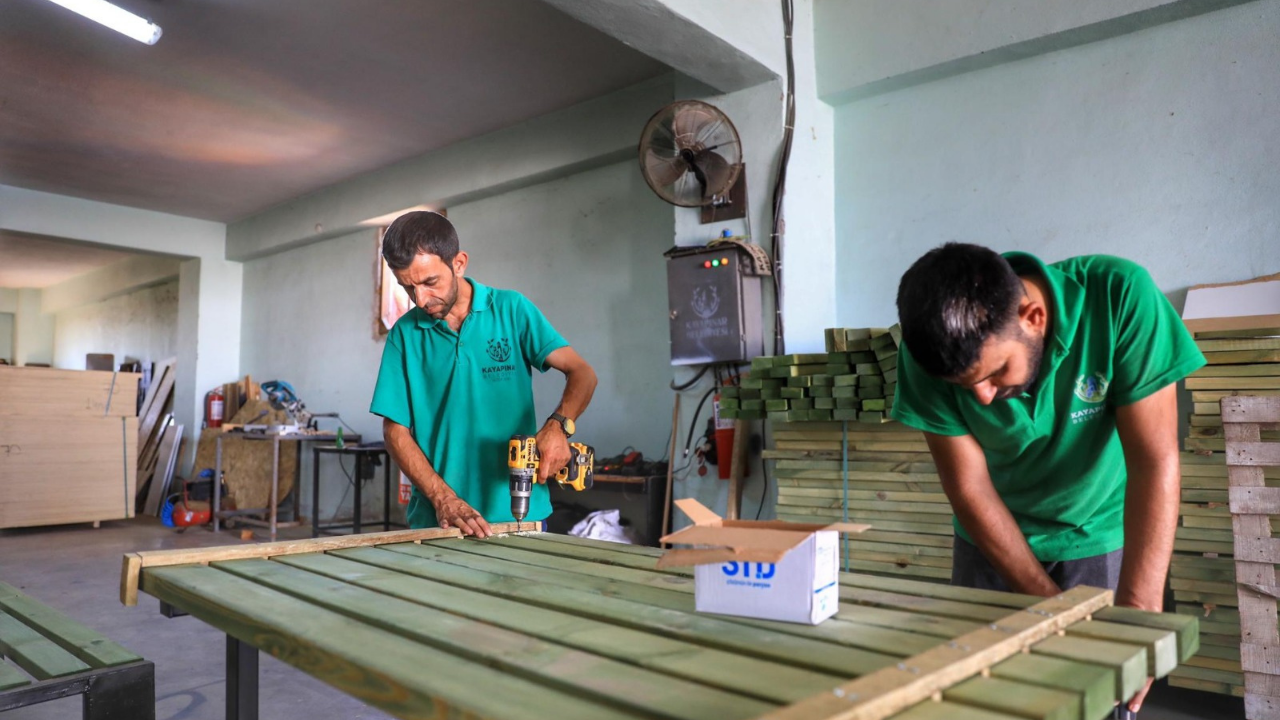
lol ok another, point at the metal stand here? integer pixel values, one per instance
(242, 680)
(126, 692)
(360, 454)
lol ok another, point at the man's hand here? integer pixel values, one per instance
(453, 512)
(553, 450)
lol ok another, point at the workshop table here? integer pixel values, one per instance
(425, 624)
(361, 455)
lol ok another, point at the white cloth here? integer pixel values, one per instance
(603, 525)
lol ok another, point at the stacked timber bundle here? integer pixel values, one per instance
(833, 449)
(1203, 572)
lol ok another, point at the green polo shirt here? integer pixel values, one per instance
(1054, 453)
(464, 394)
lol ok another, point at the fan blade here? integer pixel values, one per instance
(719, 173)
(663, 171)
(689, 123)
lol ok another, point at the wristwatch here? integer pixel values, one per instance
(565, 424)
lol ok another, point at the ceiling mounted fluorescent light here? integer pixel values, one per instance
(116, 18)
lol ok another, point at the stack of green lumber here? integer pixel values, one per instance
(1202, 573)
(892, 485)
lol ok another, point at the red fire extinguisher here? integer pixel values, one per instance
(724, 442)
(214, 403)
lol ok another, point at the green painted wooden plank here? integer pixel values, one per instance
(949, 711)
(404, 678)
(1129, 662)
(10, 677)
(1096, 685)
(93, 648)
(1015, 698)
(1185, 627)
(35, 653)
(552, 664)
(753, 677)
(620, 603)
(1161, 645)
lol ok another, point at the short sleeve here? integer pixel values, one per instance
(924, 402)
(391, 393)
(1153, 347)
(538, 339)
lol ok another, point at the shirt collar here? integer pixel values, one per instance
(481, 300)
(1067, 296)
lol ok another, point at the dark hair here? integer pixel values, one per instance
(418, 232)
(952, 301)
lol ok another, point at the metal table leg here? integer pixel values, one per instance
(355, 511)
(242, 680)
(217, 484)
(315, 493)
(126, 693)
(275, 483)
(386, 492)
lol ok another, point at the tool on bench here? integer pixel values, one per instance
(523, 460)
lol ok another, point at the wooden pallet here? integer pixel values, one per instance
(423, 623)
(1252, 505)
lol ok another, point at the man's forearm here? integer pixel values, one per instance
(579, 386)
(1001, 541)
(1150, 523)
(412, 461)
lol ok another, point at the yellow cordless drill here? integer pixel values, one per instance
(522, 464)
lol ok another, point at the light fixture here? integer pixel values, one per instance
(114, 17)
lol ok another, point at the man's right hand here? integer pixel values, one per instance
(453, 512)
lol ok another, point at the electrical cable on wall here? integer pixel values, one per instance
(780, 186)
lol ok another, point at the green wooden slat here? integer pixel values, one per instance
(35, 653)
(1188, 634)
(10, 677)
(93, 648)
(911, 622)
(949, 711)
(669, 614)
(1095, 684)
(1162, 646)
(1016, 698)
(399, 676)
(766, 680)
(1128, 662)
(551, 664)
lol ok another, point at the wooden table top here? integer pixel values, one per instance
(424, 624)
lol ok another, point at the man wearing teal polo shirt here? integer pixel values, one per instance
(1047, 396)
(456, 383)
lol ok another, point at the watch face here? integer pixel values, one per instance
(569, 427)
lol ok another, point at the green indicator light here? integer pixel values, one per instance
(715, 263)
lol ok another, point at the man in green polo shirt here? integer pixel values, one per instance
(456, 383)
(1047, 396)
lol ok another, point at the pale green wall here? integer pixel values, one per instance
(586, 249)
(141, 325)
(1158, 146)
(6, 336)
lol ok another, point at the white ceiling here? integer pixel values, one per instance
(28, 261)
(244, 104)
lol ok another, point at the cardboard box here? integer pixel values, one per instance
(1245, 305)
(772, 569)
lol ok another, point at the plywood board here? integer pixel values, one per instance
(28, 391)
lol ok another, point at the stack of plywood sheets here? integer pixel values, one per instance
(1203, 570)
(68, 446)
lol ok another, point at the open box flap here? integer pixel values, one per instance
(742, 540)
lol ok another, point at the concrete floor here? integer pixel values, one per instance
(76, 569)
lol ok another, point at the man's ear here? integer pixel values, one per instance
(1033, 315)
(460, 263)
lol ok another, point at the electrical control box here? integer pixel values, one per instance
(714, 306)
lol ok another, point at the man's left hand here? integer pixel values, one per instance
(553, 448)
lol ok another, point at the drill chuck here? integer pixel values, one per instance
(521, 489)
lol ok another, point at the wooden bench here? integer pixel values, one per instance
(47, 656)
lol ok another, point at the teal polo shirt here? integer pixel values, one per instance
(1054, 454)
(464, 394)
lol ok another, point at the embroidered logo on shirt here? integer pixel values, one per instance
(1092, 388)
(499, 349)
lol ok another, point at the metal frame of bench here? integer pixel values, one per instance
(122, 692)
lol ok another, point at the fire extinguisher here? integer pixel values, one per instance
(724, 442)
(214, 402)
